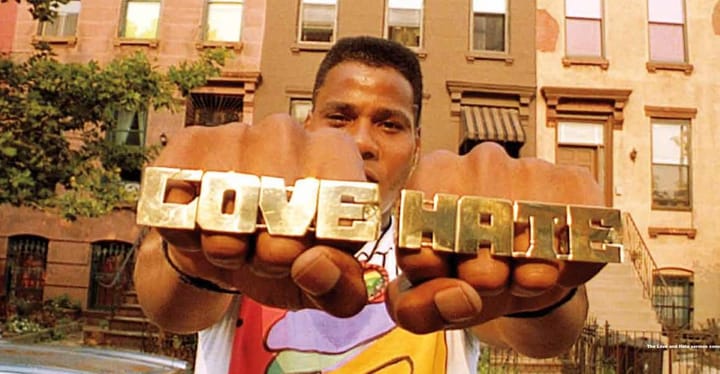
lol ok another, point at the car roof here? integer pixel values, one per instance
(51, 359)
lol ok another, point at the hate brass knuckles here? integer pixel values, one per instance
(351, 211)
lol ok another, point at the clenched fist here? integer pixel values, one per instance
(286, 272)
(440, 290)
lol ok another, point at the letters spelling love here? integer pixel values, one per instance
(350, 211)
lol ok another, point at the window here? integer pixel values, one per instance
(300, 108)
(317, 20)
(404, 22)
(673, 297)
(489, 25)
(670, 164)
(666, 28)
(583, 28)
(65, 24)
(140, 19)
(208, 109)
(25, 269)
(110, 273)
(130, 129)
(224, 21)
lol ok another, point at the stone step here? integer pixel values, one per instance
(130, 297)
(617, 295)
(123, 323)
(133, 340)
(129, 310)
(96, 317)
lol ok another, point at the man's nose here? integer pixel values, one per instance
(364, 137)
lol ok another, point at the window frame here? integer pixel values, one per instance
(321, 44)
(122, 29)
(654, 65)
(421, 26)
(487, 53)
(297, 100)
(682, 122)
(42, 26)
(206, 24)
(573, 59)
(670, 276)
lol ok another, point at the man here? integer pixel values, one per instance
(320, 306)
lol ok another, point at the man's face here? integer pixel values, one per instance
(375, 106)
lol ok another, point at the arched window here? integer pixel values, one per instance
(673, 297)
(110, 273)
(25, 271)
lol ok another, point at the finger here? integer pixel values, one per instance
(433, 305)
(180, 192)
(576, 273)
(422, 264)
(533, 277)
(488, 275)
(331, 280)
(274, 255)
(226, 251)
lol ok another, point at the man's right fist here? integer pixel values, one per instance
(286, 272)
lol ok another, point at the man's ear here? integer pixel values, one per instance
(418, 144)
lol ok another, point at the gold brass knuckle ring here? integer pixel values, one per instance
(345, 210)
(338, 209)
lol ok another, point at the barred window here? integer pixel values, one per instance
(25, 269)
(673, 297)
(110, 273)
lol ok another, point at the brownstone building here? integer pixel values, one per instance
(8, 17)
(478, 61)
(42, 256)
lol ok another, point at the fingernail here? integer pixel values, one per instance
(458, 304)
(315, 273)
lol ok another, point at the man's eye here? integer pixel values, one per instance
(337, 119)
(390, 125)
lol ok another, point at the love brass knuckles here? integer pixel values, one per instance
(351, 211)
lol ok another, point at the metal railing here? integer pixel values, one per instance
(602, 350)
(654, 284)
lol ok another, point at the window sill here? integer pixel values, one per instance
(684, 67)
(236, 46)
(654, 232)
(421, 53)
(66, 40)
(311, 46)
(603, 63)
(498, 56)
(151, 43)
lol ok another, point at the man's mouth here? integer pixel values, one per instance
(370, 177)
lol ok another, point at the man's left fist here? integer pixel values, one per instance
(440, 290)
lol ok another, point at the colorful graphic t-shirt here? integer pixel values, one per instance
(255, 339)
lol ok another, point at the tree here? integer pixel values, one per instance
(45, 103)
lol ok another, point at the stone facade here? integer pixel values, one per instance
(68, 263)
(683, 240)
(8, 16)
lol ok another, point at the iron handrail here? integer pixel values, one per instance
(128, 256)
(654, 284)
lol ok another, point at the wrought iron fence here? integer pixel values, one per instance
(182, 347)
(602, 350)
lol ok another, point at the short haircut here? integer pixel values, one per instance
(375, 52)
